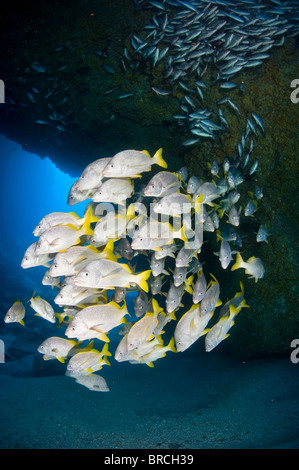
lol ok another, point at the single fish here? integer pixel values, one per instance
(92, 175)
(199, 289)
(104, 274)
(16, 313)
(262, 234)
(60, 348)
(190, 327)
(96, 320)
(114, 190)
(253, 266)
(130, 163)
(42, 308)
(93, 382)
(219, 332)
(141, 304)
(162, 184)
(31, 259)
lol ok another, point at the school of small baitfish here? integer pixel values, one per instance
(223, 36)
(94, 262)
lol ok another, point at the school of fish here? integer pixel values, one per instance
(203, 46)
(146, 240)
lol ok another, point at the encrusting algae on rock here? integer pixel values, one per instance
(157, 254)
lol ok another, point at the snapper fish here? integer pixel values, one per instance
(103, 274)
(16, 313)
(158, 351)
(157, 266)
(74, 295)
(175, 294)
(94, 382)
(162, 184)
(253, 266)
(31, 259)
(62, 237)
(115, 190)
(130, 163)
(142, 330)
(60, 348)
(193, 184)
(211, 299)
(219, 331)
(262, 234)
(225, 254)
(190, 327)
(42, 308)
(199, 289)
(75, 258)
(111, 226)
(141, 304)
(164, 251)
(59, 218)
(76, 195)
(155, 234)
(176, 204)
(87, 362)
(96, 320)
(92, 175)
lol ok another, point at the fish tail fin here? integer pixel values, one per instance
(188, 284)
(150, 364)
(105, 351)
(60, 317)
(218, 236)
(239, 262)
(171, 345)
(197, 204)
(89, 219)
(108, 251)
(131, 211)
(157, 158)
(142, 278)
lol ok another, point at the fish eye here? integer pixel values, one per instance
(87, 273)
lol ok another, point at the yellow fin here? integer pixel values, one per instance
(171, 345)
(146, 152)
(198, 204)
(142, 278)
(157, 158)
(22, 322)
(150, 364)
(105, 351)
(239, 262)
(89, 218)
(61, 359)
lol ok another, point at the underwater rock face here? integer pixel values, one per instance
(155, 242)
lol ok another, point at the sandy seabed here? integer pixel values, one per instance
(207, 401)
